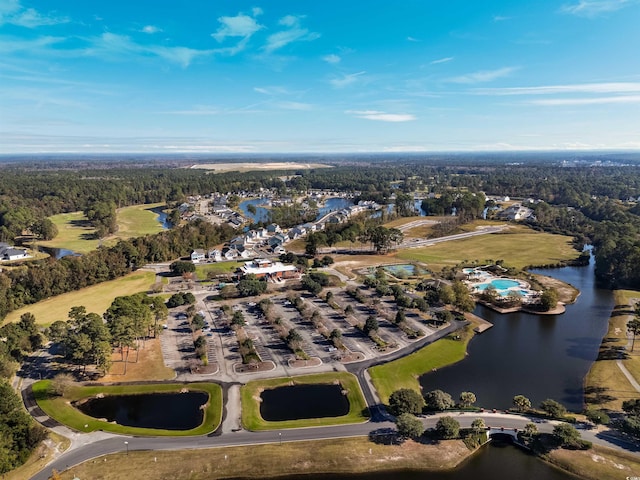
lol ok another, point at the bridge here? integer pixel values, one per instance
(512, 432)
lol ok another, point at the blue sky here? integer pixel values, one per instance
(318, 76)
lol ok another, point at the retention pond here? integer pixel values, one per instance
(303, 401)
(163, 411)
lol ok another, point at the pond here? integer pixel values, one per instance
(58, 253)
(303, 401)
(332, 205)
(261, 215)
(538, 356)
(163, 218)
(164, 411)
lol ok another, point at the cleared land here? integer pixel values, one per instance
(404, 372)
(605, 384)
(250, 166)
(517, 249)
(250, 395)
(216, 268)
(96, 298)
(61, 410)
(75, 233)
(41, 456)
(149, 366)
(344, 455)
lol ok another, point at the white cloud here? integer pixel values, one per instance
(116, 47)
(593, 8)
(611, 87)
(405, 149)
(36, 45)
(500, 18)
(150, 29)
(257, 11)
(294, 106)
(346, 80)
(239, 26)
(552, 102)
(441, 60)
(295, 33)
(484, 75)
(381, 116)
(332, 58)
(199, 110)
(12, 12)
(412, 39)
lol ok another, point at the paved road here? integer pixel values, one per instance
(117, 443)
(413, 243)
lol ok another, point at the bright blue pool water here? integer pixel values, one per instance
(500, 284)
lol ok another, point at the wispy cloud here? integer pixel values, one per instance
(12, 12)
(593, 8)
(332, 58)
(293, 33)
(273, 90)
(346, 79)
(381, 116)
(117, 47)
(198, 110)
(413, 39)
(150, 29)
(441, 60)
(36, 45)
(621, 99)
(500, 18)
(299, 106)
(611, 87)
(484, 75)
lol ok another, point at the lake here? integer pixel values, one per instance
(303, 401)
(538, 356)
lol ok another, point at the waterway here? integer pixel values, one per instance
(163, 218)
(262, 213)
(538, 356)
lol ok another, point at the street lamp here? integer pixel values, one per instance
(126, 444)
(280, 437)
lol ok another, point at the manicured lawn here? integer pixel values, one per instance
(250, 394)
(96, 298)
(605, 384)
(138, 220)
(75, 233)
(60, 409)
(217, 268)
(404, 372)
(516, 249)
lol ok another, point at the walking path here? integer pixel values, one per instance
(624, 370)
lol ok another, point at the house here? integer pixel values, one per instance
(261, 267)
(229, 253)
(309, 227)
(215, 255)
(296, 232)
(197, 256)
(239, 241)
(274, 228)
(7, 252)
(516, 212)
(278, 240)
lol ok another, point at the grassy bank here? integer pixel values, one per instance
(216, 268)
(61, 410)
(250, 395)
(605, 384)
(599, 463)
(96, 298)
(404, 372)
(138, 220)
(518, 249)
(52, 447)
(344, 455)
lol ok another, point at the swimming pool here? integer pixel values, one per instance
(502, 285)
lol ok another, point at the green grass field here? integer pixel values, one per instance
(61, 410)
(74, 232)
(216, 268)
(518, 249)
(404, 372)
(96, 298)
(250, 394)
